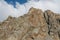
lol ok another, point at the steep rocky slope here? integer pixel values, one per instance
(35, 25)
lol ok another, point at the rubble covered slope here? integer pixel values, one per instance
(35, 25)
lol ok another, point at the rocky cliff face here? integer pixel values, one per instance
(35, 25)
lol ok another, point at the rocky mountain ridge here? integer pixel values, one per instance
(35, 25)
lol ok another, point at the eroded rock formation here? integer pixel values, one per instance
(35, 25)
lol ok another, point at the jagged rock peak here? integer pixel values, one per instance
(34, 10)
(10, 18)
(35, 25)
(48, 11)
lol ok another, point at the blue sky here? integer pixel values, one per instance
(16, 8)
(13, 2)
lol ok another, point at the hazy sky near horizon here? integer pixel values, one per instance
(18, 8)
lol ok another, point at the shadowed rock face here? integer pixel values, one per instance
(35, 25)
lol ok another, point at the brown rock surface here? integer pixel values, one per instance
(36, 25)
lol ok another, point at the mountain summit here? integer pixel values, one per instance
(35, 25)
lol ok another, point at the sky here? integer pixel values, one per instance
(16, 8)
(13, 2)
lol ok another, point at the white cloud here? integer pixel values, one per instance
(45, 4)
(6, 9)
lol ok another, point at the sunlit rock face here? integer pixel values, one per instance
(35, 25)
